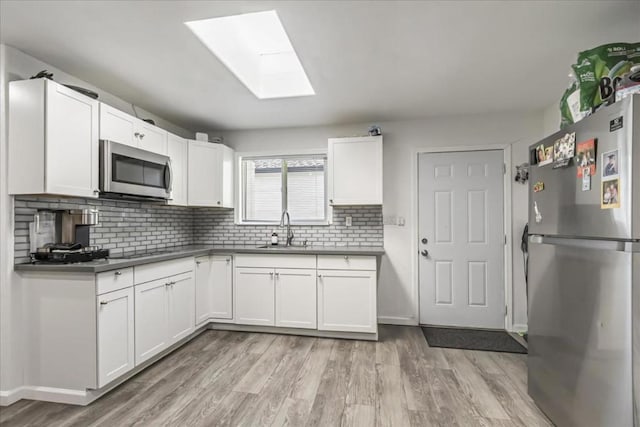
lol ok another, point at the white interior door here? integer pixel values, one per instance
(461, 239)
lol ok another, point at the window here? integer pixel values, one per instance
(296, 184)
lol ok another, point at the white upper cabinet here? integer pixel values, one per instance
(152, 138)
(53, 140)
(355, 171)
(118, 126)
(210, 175)
(225, 177)
(177, 151)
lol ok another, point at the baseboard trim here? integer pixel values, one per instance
(8, 397)
(519, 328)
(84, 397)
(295, 331)
(48, 394)
(396, 320)
(58, 395)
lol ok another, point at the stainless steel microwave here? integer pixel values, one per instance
(130, 172)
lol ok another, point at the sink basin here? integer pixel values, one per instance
(281, 246)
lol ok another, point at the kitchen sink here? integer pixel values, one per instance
(282, 247)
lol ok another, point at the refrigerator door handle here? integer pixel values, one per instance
(603, 245)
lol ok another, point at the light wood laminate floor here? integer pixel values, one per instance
(250, 379)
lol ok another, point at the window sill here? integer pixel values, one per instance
(277, 224)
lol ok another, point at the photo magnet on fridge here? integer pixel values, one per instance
(564, 149)
(545, 155)
(610, 194)
(586, 179)
(538, 187)
(610, 165)
(586, 157)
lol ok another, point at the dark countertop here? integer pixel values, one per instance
(129, 260)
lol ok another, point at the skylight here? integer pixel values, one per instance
(256, 48)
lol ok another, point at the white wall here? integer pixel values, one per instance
(520, 201)
(398, 294)
(16, 65)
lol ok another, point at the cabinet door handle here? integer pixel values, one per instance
(228, 260)
(277, 275)
(271, 274)
(104, 302)
(346, 258)
(166, 285)
(218, 202)
(137, 134)
(118, 273)
(319, 276)
(198, 262)
(141, 135)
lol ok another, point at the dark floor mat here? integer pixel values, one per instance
(472, 339)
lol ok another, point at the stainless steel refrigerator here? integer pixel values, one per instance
(584, 274)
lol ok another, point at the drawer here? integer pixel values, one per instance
(159, 270)
(114, 280)
(346, 262)
(275, 261)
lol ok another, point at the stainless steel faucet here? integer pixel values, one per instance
(289, 232)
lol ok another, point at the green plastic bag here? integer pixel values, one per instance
(597, 72)
(610, 62)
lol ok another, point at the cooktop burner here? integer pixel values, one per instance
(68, 256)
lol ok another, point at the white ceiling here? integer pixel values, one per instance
(367, 61)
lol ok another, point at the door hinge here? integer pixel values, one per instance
(506, 310)
(505, 239)
(504, 168)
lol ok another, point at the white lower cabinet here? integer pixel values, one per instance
(295, 298)
(254, 296)
(347, 301)
(152, 318)
(164, 307)
(222, 287)
(204, 289)
(214, 288)
(181, 307)
(115, 334)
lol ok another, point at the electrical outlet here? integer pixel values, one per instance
(389, 220)
(349, 221)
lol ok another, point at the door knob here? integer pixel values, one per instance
(424, 241)
(425, 253)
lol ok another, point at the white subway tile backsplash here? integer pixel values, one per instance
(127, 226)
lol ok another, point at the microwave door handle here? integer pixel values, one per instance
(168, 177)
